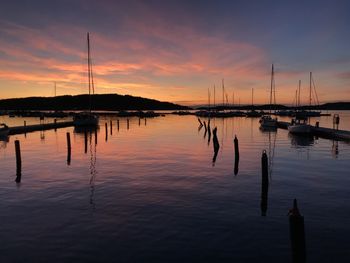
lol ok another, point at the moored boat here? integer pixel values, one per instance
(266, 121)
(4, 130)
(87, 118)
(299, 126)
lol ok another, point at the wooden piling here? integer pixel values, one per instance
(85, 141)
(264, 183)
(139, 121)
(236, 167)
(106, 128)
(216, 145)
(209, 132)
(95, 136)
(145, 121)
(235, 141)
(127, 123)
(297, 234)
(18, 161)
(118, 124)
(68, 149)
(25, 128)
(111, 126)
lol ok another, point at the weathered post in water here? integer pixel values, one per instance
(118, 124)
(106, 128)
(139, 121)
(264, 183)
(95, 136)
(18, 161)
(55, 122)
(145, 121)
(85, 141)
(216, 145)
(127, 123)
(68, 149)
(235, 142)
(111, 126)
(25, 129)
(297, 234)
(209, 132)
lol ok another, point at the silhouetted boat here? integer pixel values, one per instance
(4, 130)
(253, 113)
(299, 126)
(267, 120)
(87, 118)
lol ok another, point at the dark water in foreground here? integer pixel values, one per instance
(151, 193)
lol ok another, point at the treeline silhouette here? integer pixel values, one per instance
(82, 102)
(326, 106)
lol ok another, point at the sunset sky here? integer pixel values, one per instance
(176, 50)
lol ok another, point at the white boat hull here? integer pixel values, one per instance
(300, 129)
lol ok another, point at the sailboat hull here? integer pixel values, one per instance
(85, 120)
(300, 129)
(268, 122)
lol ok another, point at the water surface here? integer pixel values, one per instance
(150, 192)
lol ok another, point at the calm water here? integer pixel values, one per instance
(151, 193)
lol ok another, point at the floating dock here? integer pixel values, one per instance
(39, 127)
(321, 132)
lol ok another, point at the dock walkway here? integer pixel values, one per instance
(322, 132)
(39, 127)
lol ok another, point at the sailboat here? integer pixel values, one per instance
(253, 113)
(266, 121)
(300, 123)
(312, 92)
(87, 118)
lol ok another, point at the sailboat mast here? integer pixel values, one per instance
(214, 95)
(310, 90)
(89, 71)
(208, 98)
(272, 81)
(55, 88)
(223, 93)
(233, 98)
(252, 97)
(299, 93)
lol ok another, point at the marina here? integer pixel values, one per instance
(174, 131)
(191, 186)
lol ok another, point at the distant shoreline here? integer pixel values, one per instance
(115, 102)
(99, 102)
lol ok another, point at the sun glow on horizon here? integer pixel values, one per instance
(153, 56)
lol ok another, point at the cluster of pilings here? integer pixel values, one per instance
(68, 139)
(296, 221)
